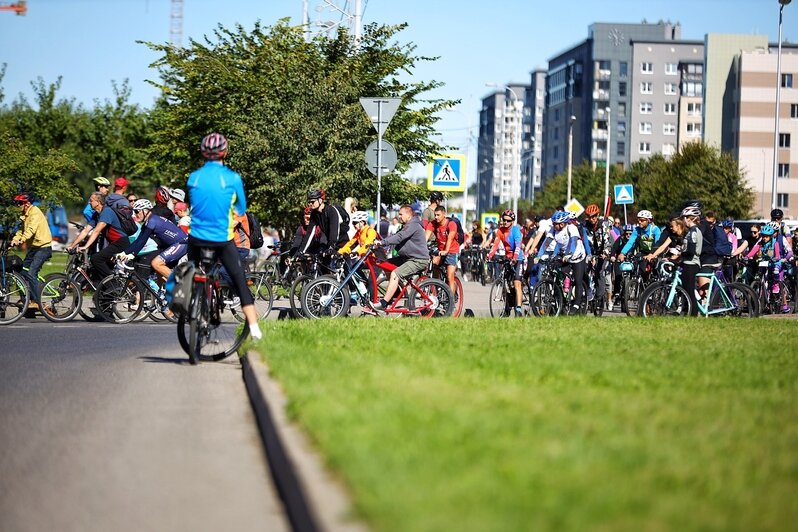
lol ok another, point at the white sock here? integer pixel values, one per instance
(254, 331)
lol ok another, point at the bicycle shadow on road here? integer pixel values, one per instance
(165, 360)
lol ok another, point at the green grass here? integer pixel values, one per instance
(562, 424)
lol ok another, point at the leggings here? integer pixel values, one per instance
(228, 254)
(689, 272)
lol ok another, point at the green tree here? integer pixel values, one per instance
(291, 112)
(587, 186)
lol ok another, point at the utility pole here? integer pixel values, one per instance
(330, 15)
(176, 24)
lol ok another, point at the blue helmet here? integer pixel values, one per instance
(727, 223)
(628, 228)
(767, 230)
(559, 217)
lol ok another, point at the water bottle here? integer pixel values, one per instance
(153, 285)
(566, 284)
(361, 287)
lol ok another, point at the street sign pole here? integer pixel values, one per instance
(380, 112)
(379, 169)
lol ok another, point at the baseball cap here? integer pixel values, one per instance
(178, 194)
(121, 182)
(180, 206)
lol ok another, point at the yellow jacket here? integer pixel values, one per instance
(35, 229)
(362, 239)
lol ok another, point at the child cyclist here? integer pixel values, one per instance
(772, 247)
(509, 235)
(364, 236)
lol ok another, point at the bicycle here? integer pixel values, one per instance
(631, 285)
(329, 296)
(555, 290)
(205, 332)
(502, 300)
(14, 292)
(78, 268)
(439, 273)
(773, 296)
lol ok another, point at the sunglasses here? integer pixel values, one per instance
(20, 203)
(593, 216)
(506, 220)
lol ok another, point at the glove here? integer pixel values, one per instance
(544, 257)
(123, 257)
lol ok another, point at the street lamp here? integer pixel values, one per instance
(532, 141)
(774, 190)
(571, 121)
(607, 168)
(516, 162)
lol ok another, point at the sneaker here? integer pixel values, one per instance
(368, 311)
(786, 309)
(609, 304)
(235, 302)
(519, 311)
(574, 310)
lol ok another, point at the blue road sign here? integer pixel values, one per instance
(624, 194)
(447, 173)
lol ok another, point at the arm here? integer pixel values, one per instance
(452, 230)
(630, 244)
(754, 250)
(78, 239)
(347, 248)
(240, 204)
(141, 240)
(660, 250)
(740, 249)
(532, 244)
(97, 231)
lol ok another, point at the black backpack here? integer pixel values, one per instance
(722, 245)
(460, 232)
(125, 215)
(255, 234)
(344, 229)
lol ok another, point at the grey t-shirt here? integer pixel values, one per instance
(410, 241)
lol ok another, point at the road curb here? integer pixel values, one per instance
(313, 499)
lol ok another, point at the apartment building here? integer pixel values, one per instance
(532, 139)
(666, 97)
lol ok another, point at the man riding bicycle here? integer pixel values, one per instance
(509, 235)
(216, 194)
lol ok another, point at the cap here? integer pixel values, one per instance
(121, 182)
(178, 194)
(180, 206)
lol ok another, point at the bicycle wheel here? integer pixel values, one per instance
(499, 301)
(321, 298)
(631, 296)
(14, 298)
(262, 294)
(218, 333)
(736, 297)
(118, 299)
(60, 298)
(597, 305)
(655, 301)
(458, 296)
(752, 297)
(432, 298)
(198, 324)
(547, 299)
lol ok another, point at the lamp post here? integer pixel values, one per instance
(516, 136)
(774, 190)
(532, 141)
(571, 121)
(607, 168)
(469, 144)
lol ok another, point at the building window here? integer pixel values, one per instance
(623, 69)
(669, 108)
(671, 88)
(784, 140)
(784, 169)
(671, 69)
(693, 129)
(646, 108)
(786, 81)
(644, 147)
(646, 88)
(783, 201)
(620, 150)
(622, 127)
(621, 88)
(668, 129)
(668, 149)
(692, 88)
(646, 67)
(622, 109)
(794, 110)
(645, 128)
(694, 109)
(556, 133)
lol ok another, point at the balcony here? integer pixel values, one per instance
(601, 95)
(601, 74)
(599, 134)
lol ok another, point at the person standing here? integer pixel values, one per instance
(36, 234)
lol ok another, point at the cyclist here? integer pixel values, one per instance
(183, 218)
(119, 195)
(109, 226)
(328, 218)
(428, 216)
(601, 245)
(445, 231)
(171, 240)
(216, 194)
(101, 185)
(412, 256)
(163, 198)
(773, 248)
(299, 236)
(36, 233)
(509, 236)
(643, 236)
(777, 216)
(364, 236)
(691, 254)
(669, 239)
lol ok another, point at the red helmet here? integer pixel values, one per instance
(162, 195)
(214, 146)
(592, 209)
(509, 213)
(22, 198)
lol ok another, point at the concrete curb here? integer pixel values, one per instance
(313, 499)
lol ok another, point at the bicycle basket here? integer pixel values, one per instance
(13, 263)
(626, 266)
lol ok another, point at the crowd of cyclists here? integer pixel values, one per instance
(594, 254)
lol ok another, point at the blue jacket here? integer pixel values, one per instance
(216, 195)
(650, 235)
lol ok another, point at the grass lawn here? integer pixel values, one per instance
(570, 423)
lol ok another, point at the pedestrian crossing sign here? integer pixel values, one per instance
(624, 194)
(447, 173)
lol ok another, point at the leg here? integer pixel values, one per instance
(102, 259)
(579, 273)
(34, 260)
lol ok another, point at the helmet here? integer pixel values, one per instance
(628, 228)
(691, 211)
(777, 213)
(317, 193)
(214, 146)
(178, 194)
(767, 230)
(359, 216)
(101, 181)
(25, 197)
(509, 213)
(692, 203)
(592, 209)
(559, 217)
(435, 196)
(727, 224)
(775, 225)
(140, 205)
(162, 195)
(645, 214)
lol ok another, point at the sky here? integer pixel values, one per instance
(89, 43)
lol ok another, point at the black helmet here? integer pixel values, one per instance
(692, 203)
(317, 194)
(435, 196)
(776, 213)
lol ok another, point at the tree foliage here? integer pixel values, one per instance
(291, 112)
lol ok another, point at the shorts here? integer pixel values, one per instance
(709, 268)
(410, 267)
(450, 259)
(174, 253)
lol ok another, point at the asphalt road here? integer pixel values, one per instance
(107, 427)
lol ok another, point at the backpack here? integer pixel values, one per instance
(460, 232)
(722, 245)
(255, 234)
(344, 229)
(179, 286)
(125, 215)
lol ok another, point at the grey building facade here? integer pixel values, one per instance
(532, 141)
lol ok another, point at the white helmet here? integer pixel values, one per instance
(140, 205)
(645, 214)
(775, 225)
(691, 211)
(178, 194)
(360, 216)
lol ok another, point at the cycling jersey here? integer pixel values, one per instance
(165, 231)
(567, 240)
(216, 194)
(599, 239)
(510, 238)
(773, 250)
(363, 239)
(645, 239)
